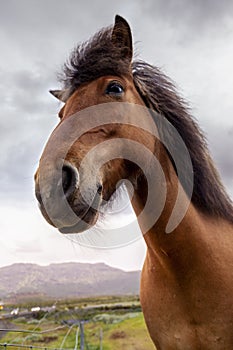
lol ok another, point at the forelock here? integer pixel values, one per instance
(92, 59)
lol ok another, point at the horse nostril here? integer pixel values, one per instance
(66, 178)
(99, 188)
(69, 179)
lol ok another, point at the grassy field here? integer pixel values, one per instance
(117, 321)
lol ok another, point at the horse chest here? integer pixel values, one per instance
(170, 325)
(164, 317)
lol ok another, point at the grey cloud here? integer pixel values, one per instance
(45, 29)
(196, 15)
(221, 147)
(27, 114)
(36, 38)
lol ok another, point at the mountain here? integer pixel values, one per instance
(66, 280)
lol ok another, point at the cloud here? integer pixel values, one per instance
(33, 240)
(38, 38)
(25, 116)
(193, 18)
(221, 146)
(191, 40)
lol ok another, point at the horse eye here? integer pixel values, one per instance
(114, 89)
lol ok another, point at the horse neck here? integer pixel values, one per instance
(186, 272)
(189, 243)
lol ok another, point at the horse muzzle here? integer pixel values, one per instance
(66, 202)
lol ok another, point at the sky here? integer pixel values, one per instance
(191, 41)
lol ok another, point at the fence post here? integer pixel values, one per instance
(81, 336)
(101, 339)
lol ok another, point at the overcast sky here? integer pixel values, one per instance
(192, 41)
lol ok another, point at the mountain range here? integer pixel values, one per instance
(66, 280)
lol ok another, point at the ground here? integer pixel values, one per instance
(116, 323)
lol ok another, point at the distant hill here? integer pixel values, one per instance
(66, 280)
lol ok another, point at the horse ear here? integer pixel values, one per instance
(122, 37)
(61, 95)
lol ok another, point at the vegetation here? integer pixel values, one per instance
(117, 322)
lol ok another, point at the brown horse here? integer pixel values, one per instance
(187, 278)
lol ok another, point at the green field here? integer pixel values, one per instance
(115, 322)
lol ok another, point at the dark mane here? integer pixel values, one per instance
(159, 93)
(99, 57)
(93, 59)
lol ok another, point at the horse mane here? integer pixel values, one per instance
(91, 60)
(160, 94)
(98, 57)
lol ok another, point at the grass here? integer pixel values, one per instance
(121, 328)
(129, 334)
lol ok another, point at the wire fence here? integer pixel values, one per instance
(33, 332)
(79, 334)
(25, 346)
(6, 345)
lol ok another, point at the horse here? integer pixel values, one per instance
(186, 284)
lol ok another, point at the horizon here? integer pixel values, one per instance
(67, 263)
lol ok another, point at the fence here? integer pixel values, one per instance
(79, 334)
